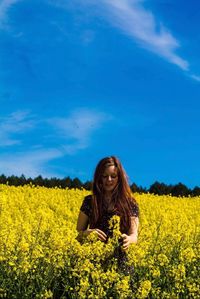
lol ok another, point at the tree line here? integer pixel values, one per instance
(156, 188)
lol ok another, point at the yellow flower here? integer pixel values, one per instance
(187, 255)
(144, 289)
(162, 259)
(156, 272)
(38, 247)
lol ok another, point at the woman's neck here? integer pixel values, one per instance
(108, 201)
(108, 196)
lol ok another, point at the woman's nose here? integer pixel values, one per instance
(109, 178)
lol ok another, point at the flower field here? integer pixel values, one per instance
(41, 258)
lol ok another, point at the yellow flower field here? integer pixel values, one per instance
(41, 258)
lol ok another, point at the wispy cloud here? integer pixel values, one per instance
(4, 7)
(30, 163)
(139, 23)
(78, 127)
(195, 77)
(131, 17)
(70, 134)
(14, 125)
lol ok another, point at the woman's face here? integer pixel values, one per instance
(109, 178)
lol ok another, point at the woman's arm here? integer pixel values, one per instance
(132, 233)
(82, 224)
(84, 231)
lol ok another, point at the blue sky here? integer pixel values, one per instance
(84, 79)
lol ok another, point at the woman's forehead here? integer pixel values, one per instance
(110, 169)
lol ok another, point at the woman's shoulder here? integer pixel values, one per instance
(86, 206)
(134, 208)
(88, 198)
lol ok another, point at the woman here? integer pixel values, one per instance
(111, 195)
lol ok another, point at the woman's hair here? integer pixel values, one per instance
(121, 195)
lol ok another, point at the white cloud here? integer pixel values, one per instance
(78, 127)
(14, 124)
(30, 163)
(130, 16)
(140, 24)
(4, 7)
(134, 20)
(195, 77)
(71, 134)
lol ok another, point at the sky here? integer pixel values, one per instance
(85, 79)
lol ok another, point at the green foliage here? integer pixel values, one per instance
(156, 188)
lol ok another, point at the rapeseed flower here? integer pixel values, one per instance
(41, 258)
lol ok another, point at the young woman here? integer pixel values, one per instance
(111, 195)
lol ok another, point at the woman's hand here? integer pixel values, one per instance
(101, 235)
(83, 231)
(126, 241)
(132, 234)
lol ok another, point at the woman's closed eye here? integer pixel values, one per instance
(114, 176)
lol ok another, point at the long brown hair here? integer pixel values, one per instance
(121, 195)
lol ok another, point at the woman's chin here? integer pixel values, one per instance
(109, 189)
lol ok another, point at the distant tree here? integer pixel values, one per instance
(66, 182)
(29, 181)
(13, 180)
(159, 188)
(76, 183)
(51, 183)
(38, 181)
(180, 190)
(137, 189)
(156, 188)
(46, 182)
(3, 179)
(87, 185)
(142, 189)
(196, 191)
(22, 180)
(134, 188)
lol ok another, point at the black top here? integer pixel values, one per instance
(103, 223)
